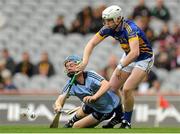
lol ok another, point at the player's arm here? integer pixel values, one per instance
(59, 102)
(134, 51)
(96, 39)
(105, 86)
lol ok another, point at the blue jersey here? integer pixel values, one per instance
(105, 104)
(125, 33)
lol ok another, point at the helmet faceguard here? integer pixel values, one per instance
(73, 58)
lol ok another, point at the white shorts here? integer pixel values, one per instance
(145, 65)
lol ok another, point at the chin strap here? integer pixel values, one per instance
(120, 24)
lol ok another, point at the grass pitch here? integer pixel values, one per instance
(46, 129)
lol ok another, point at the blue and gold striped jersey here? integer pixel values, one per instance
(127, 32)
(105, 104)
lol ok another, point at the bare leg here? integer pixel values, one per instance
(79, 115)
(86, 122)
(131, 83)
(117, 80)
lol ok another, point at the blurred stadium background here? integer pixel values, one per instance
(37, 35)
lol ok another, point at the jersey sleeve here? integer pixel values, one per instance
(103, 32)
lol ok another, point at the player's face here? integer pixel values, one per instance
(70, 67)
(109, 23)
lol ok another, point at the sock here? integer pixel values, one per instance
(127, 116)
(118, 115)
(119, 112)
(74, 119)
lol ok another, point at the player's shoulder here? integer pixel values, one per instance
(68, 81)
(91, 73)
(105, 30)
(66, 85)
(130, 25)
(129, 22)
(94, 75)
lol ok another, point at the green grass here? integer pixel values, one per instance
(46, 129)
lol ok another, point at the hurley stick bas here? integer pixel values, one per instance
(55, 121)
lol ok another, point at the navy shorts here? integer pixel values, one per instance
(97, 115)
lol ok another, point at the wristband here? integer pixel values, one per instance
(120, 66)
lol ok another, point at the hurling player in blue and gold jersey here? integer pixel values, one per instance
(134, 65)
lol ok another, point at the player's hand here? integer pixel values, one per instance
(57, 108)
(80, 67)
(89, 99)
(118, 69)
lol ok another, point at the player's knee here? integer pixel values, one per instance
(127, 92)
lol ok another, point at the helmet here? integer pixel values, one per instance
(74, 58)
(112, 12)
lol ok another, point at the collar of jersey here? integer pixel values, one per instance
(85, 76)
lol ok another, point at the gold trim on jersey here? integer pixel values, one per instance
(146, 52)
(142, 45)
(141, 41)
(101, 37)
(134, 38)
(125, 47)
(128, 27)
(145, 49)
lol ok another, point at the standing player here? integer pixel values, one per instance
(87, 83)
(136, 62)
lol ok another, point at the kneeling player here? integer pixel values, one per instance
(87, 83)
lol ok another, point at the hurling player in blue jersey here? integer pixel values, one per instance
(134, 65)
(87, 83)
